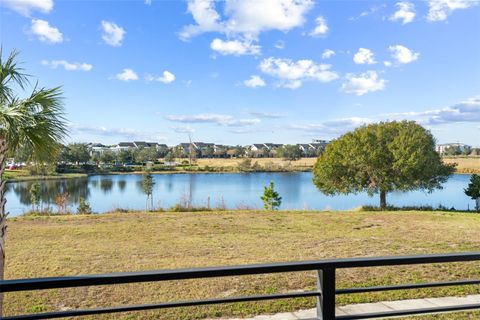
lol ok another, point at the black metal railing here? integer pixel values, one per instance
(325, 293)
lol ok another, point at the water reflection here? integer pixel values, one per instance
(218, 190)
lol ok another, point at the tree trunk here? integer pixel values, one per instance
(383, 200)
(3, 214)
(477, 204)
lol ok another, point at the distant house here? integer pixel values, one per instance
(123, 146)
(441, 148)
(97, 148)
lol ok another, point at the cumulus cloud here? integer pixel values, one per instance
(127, 75)
(219, 119)
(327, 54)
(439, 10)
(167, 77)
(68, 66)
(26, 7)
(364, 56)
(246, 17)
(405, 12)
(112, 33)
(45, 32)
(363, 83)
(402, 54)
(292, 74)
(254, 82)
(234, 47)
(321, 29)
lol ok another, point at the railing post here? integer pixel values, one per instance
(326, 301)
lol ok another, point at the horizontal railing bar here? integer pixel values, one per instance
(409, 312)
(85, 312)
(407, 286)
(181, 274)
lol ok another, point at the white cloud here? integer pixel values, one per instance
(364, 56)
(112, 33)
(167, 77)
(234, 47)
(368, 12)
(332, 127)
(292, 73)
(268, 115)
(402, 54)
(464, 111)
(439, 10)
(26, 7)
(327, 54)
(127, 75)
(247, 17)
(220, 119)
(280, 44)
(363, 83)
(387, 63)
(254, 82)
(118, 133)
(69, 66)
(321, 29)
(45, 32)
(405, 12)
(148, 2)
(183, 129)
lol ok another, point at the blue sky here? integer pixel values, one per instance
(240, 72)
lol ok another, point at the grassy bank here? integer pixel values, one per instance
(24, 175)
(68, 245)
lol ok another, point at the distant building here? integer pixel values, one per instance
(441, 148)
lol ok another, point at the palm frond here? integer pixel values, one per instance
(10, 72)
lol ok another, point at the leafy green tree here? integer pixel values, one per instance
(35, 121)
(124, 156)
(271, 199)
(290, 152)
(107, 157)
(381, 158)
(147, 188)
(83, 206)
(78, 153)
(452, 151)
(35, 195)
(473, 190)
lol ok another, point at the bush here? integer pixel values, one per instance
(84, 207)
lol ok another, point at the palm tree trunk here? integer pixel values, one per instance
(3, 213)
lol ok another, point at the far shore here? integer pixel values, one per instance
(465, 165)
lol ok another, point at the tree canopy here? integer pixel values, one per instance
(381, 158)
(473, 190)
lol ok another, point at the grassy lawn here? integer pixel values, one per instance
(71, 245)
(24, 175)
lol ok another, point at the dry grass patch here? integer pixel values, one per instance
(465, 165)
(72, 245)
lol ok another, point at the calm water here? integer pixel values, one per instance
(105, 193)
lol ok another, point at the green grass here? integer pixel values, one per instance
(24, 175)
(72, 245)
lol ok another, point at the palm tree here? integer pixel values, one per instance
(36, 122)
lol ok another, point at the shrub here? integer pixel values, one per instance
(84, 207)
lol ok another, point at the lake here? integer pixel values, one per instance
(236, 190)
